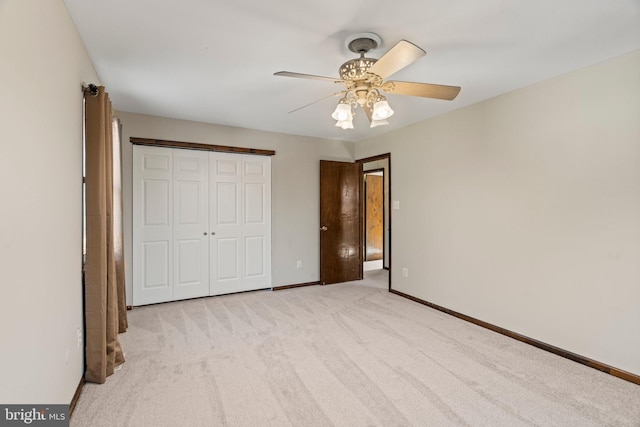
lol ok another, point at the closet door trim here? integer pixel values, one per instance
(199, 146)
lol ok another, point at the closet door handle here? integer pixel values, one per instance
(212, 233)
(205, 233)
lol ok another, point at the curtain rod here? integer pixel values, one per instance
(91, 88)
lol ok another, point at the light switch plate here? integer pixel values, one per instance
(396, 205)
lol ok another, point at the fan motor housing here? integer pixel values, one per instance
(356, 69)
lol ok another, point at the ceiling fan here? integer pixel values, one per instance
(364, 80)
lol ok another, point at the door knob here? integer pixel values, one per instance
(205, 233)
(323, 228)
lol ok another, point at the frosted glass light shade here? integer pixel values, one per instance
(381, 111)
(376, 123)
(342, 113)
(345, 124)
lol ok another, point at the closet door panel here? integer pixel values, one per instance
(157, 193)
(254, 257)
(156, 264)
(152, 225)
(226, 246)
(191, 224)
(227, 249)
(256, 224)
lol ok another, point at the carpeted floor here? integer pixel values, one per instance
(344, 355)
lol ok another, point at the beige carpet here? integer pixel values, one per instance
(344, 355)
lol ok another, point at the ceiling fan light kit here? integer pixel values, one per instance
(376, 123)
(364, 77)
(345, 124)
(343, 112)
(381, 110)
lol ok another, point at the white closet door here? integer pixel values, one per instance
(225, 212)
(256, 222)
(201, 223)
(152, 225)
(190, 224)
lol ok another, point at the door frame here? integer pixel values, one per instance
(384, 156)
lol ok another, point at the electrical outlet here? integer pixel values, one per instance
(405, 272)
(299, 264)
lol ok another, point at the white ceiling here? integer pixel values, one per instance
(213, 60)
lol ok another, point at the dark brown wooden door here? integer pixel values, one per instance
(374, 216)
(341, 227)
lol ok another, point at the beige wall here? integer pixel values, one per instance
(43, 66)
(295, 184)
(524, 210)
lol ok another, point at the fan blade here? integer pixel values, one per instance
(402, 54)
(425, 90)
(306, 76)
(321, 99)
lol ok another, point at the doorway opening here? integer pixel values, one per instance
(374, 216)
(376, 248)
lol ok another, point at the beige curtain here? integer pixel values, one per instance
(105, 311)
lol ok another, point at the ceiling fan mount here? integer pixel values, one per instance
(363, 79)
(362, 43)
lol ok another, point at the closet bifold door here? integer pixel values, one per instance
(256, 222)
(240, 222)
(201, 223)
(170, 224)
(190, 224)
(152, 225)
